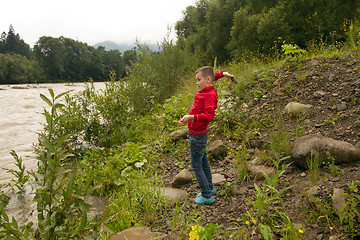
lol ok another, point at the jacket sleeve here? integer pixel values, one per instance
(209, 110)
(218, 75)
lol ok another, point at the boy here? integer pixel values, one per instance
(201, 113)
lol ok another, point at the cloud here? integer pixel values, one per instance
(92, 21)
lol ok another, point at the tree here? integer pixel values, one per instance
(2, 42)
(114, 61)
(12, 43)
(258, 6)
(77, 60)
(50, 53)
(129, 56)
(191, 30)
(244, 35)
(219, 18)
(96, 68)
(17, 69)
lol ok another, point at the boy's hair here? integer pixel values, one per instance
(207, 71)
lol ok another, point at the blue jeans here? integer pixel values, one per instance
(200, 163)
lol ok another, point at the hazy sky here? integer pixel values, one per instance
(92, 21)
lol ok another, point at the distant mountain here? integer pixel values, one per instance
(109, 45)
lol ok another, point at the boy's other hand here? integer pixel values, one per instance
(185, 119)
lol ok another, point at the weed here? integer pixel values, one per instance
(332, 121)
(180, 222)
(180, 164)
(139, 199)
(267, 195)
(280, 142)
(226, 190)
(313, 165)
(204, 233)
(173, 109)
(240, 165)
(257, 94)
(334, 170)
(350, 217)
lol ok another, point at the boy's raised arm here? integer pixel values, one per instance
(221, 74)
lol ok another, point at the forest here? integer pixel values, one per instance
(228, 30)
(57, 60)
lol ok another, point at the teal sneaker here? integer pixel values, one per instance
(213, 192)
(202, 200)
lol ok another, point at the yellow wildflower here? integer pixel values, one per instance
(301, 231)
(247, 222)
(194, 234)
(254, 221)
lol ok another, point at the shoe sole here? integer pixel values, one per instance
(213, 193)
(206, 202)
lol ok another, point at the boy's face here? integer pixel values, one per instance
(202, 82)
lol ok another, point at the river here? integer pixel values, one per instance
(21, 118)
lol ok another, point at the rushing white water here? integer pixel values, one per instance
(21, 118)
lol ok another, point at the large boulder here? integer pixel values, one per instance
(174, 194)
(136, 233)
(217, 147)
(296, 108)
(182, 178)
(338, 200)
(341, 152)
(178, 134)
(218, 178)
(258, 170)
(312, 197)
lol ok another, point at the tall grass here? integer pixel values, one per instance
(139, 200)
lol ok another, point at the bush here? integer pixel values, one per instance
(156, 75)
(97, 118)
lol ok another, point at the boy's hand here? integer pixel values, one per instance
(185, 119)
(230, 77)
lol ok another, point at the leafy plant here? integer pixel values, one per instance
(330, 121)
(353, 34)
(60, 203)
(97, 118)
(173, 109)
(180, 164)
(110, 169)
(11, 229)
(291, 51)
(62, 212)
(21, 175)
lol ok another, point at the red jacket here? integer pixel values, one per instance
(205, 103)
